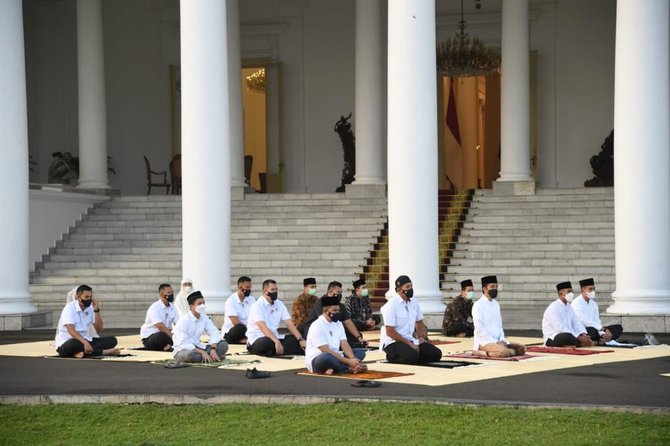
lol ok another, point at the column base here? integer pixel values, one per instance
(355, 190)
(93, 185)
(433, 320)
(513, 187)
(17, 322)
(638, 323)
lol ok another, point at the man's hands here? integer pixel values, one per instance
(88, 348)
(279, 348)
(584, 340)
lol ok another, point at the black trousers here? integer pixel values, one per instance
(362, 326)
(236, 333)
(157, 341)
(401, 353)
(460, 327)
(266, 347)
(72, 346)
(563, 340)
(615, 329)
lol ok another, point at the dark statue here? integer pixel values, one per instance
(603, 165)
(343, 129)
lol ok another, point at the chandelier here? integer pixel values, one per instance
(256, 80)
(463, 56)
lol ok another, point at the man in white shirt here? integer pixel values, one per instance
(560, 326)
(327, 349)
(266, 313)
(586, 308)
(180, 301)
(187, 333)
(73, 339)
(489, 337)
(403, 335)
(156, 333)
(234, 328)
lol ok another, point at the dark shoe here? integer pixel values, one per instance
(366, 383)
(254, 374)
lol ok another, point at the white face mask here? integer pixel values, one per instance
(591, 294)
(569, 297)
(201, 309)
(187, 289)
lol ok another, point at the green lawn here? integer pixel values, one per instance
(324, 424)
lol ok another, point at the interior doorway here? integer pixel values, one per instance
(254, 106)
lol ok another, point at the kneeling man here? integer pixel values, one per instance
(156, 333)
(187, 344)
(73, 339)
(560, 325)
(327, 348)
(586, 308)
(489, 337)
(403, 335)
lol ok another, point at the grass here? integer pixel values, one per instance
(325, 424)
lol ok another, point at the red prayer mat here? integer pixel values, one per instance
(370, 374)
(566, 351)
(472, 356)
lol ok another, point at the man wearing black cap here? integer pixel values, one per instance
(189, 329)
(303, 304)
(457, 319)
(359, 308)
(403, 335)
(560, 326)
(586, 308)
(489, 337)
(327, 349)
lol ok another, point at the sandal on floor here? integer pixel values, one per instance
(366, 383)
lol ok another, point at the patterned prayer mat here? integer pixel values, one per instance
(566, 351)
(216, 364)
(90, 356)
(434, 342)
(472, 356)
(370, 374)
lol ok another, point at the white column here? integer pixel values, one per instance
(515, 93)
(412, 149)
(14, 243)
(642, 158)
(92, 105)
(205, 149)
(369, 113)
(235, 95)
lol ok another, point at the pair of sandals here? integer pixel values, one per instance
(366, 383)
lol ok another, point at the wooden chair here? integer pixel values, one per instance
(151, 173)
(175, 174)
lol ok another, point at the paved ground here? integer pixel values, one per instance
(632, 384)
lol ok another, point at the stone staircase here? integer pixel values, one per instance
(533, 242)
(125, 247)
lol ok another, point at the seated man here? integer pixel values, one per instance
(403, 333)
(354, 337)
(156, 333)
(489, 337)
(457, 319)
(586, 308)
(180, 301)
(234, 328)
(359, 308)
(189, 329)
(560, 326)
(327, 348)
(73, 339)
(263, 337)
(303, 304)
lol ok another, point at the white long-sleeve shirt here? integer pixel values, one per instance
(587, 312)
(488, 322)
(559, 317)
(188, 330)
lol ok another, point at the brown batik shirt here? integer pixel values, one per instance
(302, 306)
(458, 310)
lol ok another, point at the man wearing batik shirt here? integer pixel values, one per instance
(303, 304)
(458, 314)
(359, 308)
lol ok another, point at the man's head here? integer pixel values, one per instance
(360, 288)
(196, 302)
(165, 293)
(334, 289)
(85, 296)
(565, 292)
(244, 286)
(404, 287)
(270, 290)
(588, 288)
(490, 286)
(309, 284)
(331, 308)
(467, 289)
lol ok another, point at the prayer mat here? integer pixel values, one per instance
(90, 357)
(215, 364)
(449, 364)
(566, 351)
(472, 356)
(370, 374)
(434, 342)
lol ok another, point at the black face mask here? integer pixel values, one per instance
(246, 292)
(409, 293)
(335, 317)
(338, 296)
(493, 293)
(86, 302)
(273, 296)
(170, 297)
